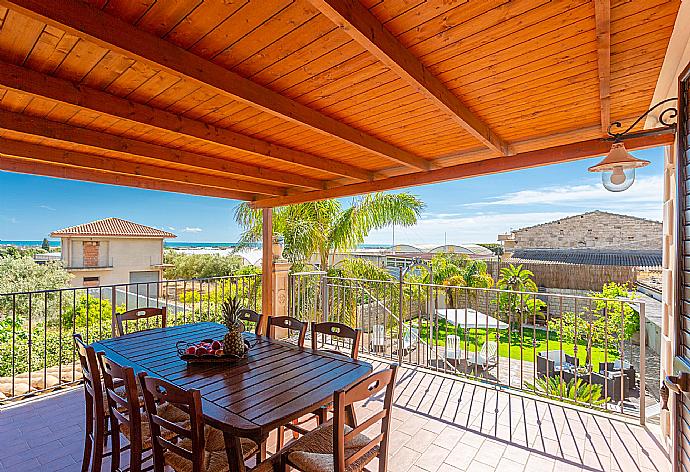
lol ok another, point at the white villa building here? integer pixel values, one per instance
(112, 251)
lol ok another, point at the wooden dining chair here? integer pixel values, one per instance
(97, 417)
(336, 330)
(125, 402)
(289, 323)
(139, 314)
(199, 448)
(250, 316)
(335, 446)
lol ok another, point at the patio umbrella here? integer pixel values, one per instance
(469, 318)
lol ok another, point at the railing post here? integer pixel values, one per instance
(113, 315)
(400, 317)
(325, 306)
(643, 356)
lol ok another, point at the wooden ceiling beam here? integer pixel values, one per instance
(525, 160)
(43, 86)
(602, 16)
(93, 25)
(362, 26)
(52, 155)
(27, 166)
(24, 125)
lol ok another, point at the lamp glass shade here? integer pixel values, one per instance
(618, 168)
(618, 179)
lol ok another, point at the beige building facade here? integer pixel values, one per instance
(592, 230)
(112, 251)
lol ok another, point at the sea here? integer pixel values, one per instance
(171, 245)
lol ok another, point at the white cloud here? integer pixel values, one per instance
(171, 228)
(47, 207)
(188, 229)
(647, 190)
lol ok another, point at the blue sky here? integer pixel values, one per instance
(472, 210)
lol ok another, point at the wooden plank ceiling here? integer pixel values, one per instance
(282, 101)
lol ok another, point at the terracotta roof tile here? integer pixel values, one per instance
(113, 227)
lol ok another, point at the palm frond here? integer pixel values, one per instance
(373, 211)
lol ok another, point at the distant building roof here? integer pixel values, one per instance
(613, 257)
(582, 215)
(469, 249)
(113, 227)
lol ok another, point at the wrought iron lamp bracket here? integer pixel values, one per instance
(669, 113)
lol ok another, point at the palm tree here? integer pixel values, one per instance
(325, 227)
(519, 306)
(517, 279)
(474, 275)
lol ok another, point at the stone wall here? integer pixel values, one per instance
(596, 229)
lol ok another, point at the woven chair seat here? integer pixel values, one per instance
(216, 460)
(167, 411)
(313, 452)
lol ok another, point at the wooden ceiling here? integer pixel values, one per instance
(283, 101)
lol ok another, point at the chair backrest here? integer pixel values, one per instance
(157, 392)
(452, 343)
(488, 351)
(289, 323)
(337, 330)
(123, 398)
(140, 314)
(365, 389)
(378, 335)
(250, 316)
(91, 373)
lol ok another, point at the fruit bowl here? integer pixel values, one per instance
(207, 350)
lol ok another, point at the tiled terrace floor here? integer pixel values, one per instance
(440, 424)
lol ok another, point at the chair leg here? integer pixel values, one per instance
(88, 435)
(295, 434)
(99, 439)
(115, 447)
(350, 417)
(322, 415)
(281, 437)
(261, 454)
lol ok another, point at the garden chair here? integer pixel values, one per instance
(452, 352)
(483, 360)
(377, 342)
(410, 340)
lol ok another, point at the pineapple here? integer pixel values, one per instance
(233, 343)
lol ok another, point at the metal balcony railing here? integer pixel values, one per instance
(582, 350)
(36, 328)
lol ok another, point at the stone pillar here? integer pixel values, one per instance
(281, 271)
(668, 280)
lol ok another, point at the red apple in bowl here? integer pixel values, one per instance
(201, 351)
(219, 352)
(215, 345)
(191, 350)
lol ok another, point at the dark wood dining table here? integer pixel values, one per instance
(277, 382)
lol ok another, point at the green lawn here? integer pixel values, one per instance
(519, 345)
